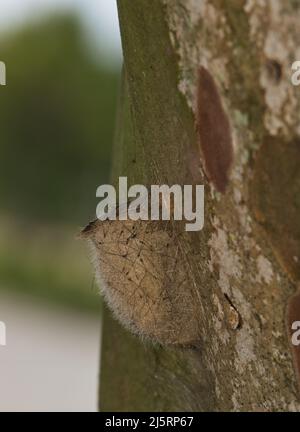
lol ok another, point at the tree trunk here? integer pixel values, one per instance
(244, 265)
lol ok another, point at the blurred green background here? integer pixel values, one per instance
(57, 116)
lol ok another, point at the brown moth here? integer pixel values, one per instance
(144, 279)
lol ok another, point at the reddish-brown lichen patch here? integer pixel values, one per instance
(275, 199)
(214, 132)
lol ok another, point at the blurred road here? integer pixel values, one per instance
(51, 359)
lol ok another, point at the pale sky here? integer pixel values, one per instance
(99, 17)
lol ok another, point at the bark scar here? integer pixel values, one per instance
(233, 316)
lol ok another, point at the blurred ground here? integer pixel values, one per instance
(51, 360)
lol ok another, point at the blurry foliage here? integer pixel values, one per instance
(57, 116)
(47, 262)
(56, 122)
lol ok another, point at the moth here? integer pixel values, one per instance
(144, 278)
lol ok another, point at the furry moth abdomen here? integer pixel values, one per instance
(143, 277)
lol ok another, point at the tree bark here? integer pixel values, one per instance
(244, 265)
